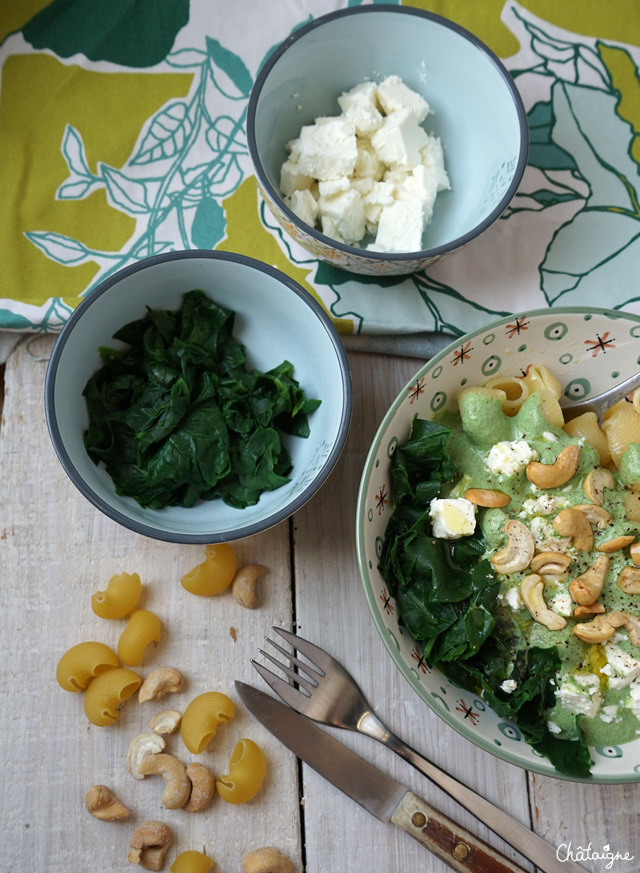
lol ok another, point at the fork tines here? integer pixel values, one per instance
(303, 683)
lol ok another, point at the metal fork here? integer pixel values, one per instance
(326, 693)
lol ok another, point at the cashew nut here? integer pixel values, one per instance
(165, 722)
(532, 592)
(203, 786)
(595, 514)
(174, 773)
(518, 552)
(556, 474)
(149, 844)
(139, 748)
(550, 563)
(487, 497)
(244, 585)
(102, 803)
(266, 860)
(573, 523)
(632, 503)
(587, 587)
(615, 544)
(596, 631)
(629, 580)
(595, 483)
(163, 680)
(634, 552)
(588, 609)
(620, 618)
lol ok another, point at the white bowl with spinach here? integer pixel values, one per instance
(458, 630)
(198, 397)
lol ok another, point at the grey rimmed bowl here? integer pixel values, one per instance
(276, 319)
(477, 113)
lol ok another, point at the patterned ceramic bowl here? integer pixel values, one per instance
(477, 113)
(589, 351)
(275, 320)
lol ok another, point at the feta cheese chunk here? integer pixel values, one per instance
(305, 206)
(545, 504)
(580, 693)
(328, 149)
(399, 227)
(433, 159)
(509, 686)
(359, 105)
(346, 211)
(291, 179)
(452, 518)
(393, 95)
(510, 457)
(621, 668)
(397, 142)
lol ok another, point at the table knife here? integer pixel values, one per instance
(381, 795)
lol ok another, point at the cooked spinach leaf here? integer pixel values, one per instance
(178, 417)
(447, 597)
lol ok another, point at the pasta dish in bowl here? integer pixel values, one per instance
(499, 543)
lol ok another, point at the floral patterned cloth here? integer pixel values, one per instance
(122, 131)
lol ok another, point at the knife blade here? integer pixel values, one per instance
(378, 793)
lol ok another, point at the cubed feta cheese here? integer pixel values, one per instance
(545, 537)
(509, 686)
(291, 179)
(360, 106)
(305, 206)
(580, 693)
(510, 457)
(545, 504)
(381, 194)
(399, 227)
(452, 518)
(397, 142)
(368, 164)
(433, 159)
(513, 598)
(328, 149)
(561, 603)
(393, 96)
(608, 713)
(420, 186)
(621, 668)
(346, 211)
(334, 186)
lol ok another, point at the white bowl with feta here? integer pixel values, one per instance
(597, 685)
(363, 130)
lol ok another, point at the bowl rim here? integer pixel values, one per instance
(395, 257)
(52, 415)
(545, 768)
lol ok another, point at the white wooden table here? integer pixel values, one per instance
(56, 550)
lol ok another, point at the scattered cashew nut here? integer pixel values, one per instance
(532, 593)
(595, 483)
(632, 503)
(487, 497)
(620, 618)
(571, 522)
(595, 514)
(267, 860)
(558, 473)
(629, 580)
(164, 680)
(587, 587)
(174, 773)
(588, 609)
(598, 630)
(149, 844)
(244, 585)
(616, 543)
(550, 563)
(139, 748)
(634, 552)
(518, 552)
(203, 786)
(102, 803)
(165, 722)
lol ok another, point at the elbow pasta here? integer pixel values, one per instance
(214, 574)
(538, 377)
(107, 692)
(202, 717)
(120, 597)
(247, 769)
(142, 629)
(621, 425)
(192, 862)
(82, 663)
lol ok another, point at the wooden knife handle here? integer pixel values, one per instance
(454, 845)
